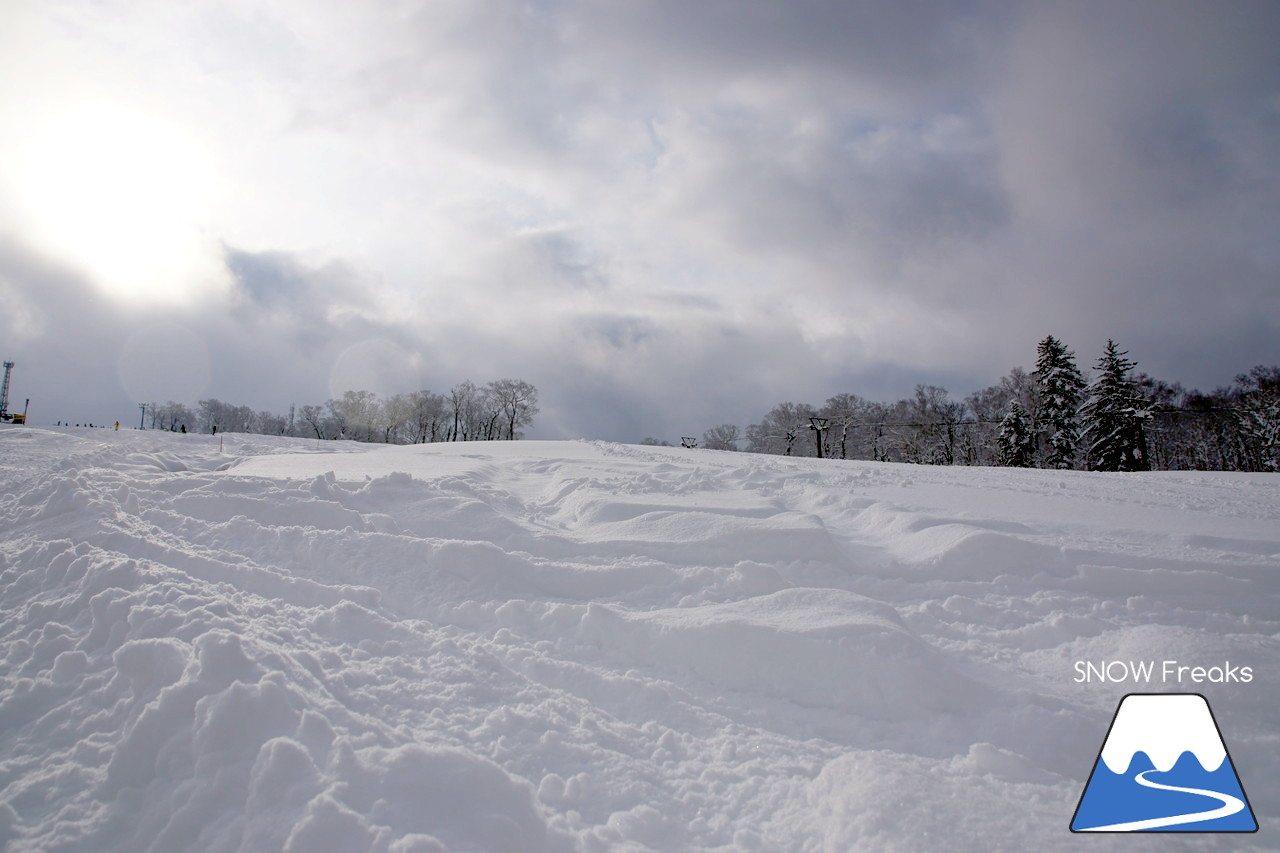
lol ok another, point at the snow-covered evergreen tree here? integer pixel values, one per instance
(1061, 386)
(1115, 416)
(1017, 438)
(1258, 414)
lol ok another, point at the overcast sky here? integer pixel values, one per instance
(664, 214)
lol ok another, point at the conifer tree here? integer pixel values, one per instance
(1115, 416)
(1061, 387)
(1017, 438)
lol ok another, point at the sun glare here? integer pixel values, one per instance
(125, 197)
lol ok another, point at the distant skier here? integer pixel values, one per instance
(184, 429)
(117, 426)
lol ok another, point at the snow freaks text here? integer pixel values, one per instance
(1163, 672)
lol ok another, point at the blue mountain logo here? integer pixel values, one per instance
(1163, 768)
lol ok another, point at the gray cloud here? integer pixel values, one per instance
(1131, 142)
(669, 215)
(60, 336)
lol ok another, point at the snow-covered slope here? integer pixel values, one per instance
(537, 646)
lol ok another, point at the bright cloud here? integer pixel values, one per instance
(665, 215)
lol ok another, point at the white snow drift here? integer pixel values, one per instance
(530, 646)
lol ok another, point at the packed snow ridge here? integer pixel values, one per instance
(539, 646)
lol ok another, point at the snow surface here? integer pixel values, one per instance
(538, 646)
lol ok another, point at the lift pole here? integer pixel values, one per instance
(818, 425)
(4, 390)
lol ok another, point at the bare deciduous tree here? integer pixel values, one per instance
(780, 430)
(516, 402)
(315, 420)
(722, 437)
(428, 418)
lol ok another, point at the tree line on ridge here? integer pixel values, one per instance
(1053, 417)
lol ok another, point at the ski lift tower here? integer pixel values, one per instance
(818, 425)
(4, 392)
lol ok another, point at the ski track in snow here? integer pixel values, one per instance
(580, 646)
